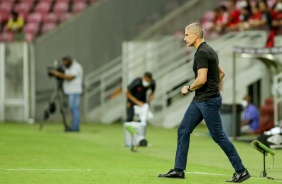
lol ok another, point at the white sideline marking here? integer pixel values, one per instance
(216, 174)
(60, 170)
(204, 173)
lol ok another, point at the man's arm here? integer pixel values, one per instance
(133, 99)
(62, 75)
(221, 73)
(200, 80)
(246, 122)
(151, 97)
(198, 83)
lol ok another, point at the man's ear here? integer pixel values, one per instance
(198, 35)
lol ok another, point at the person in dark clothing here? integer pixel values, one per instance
(205, 105)
(137, 93)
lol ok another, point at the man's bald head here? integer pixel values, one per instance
(196, 28)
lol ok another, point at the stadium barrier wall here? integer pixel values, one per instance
(16, 82)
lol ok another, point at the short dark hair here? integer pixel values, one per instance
(67, 58)
(148, 75)
(15, 14)
(223, 8)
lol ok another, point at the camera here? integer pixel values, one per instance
(58, 67)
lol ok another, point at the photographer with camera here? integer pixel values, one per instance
(72, 84)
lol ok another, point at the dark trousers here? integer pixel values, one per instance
(129, 112)
(209, 111)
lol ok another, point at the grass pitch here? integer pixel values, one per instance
(97, 155)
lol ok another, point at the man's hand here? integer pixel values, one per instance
(184, 90)
(55, 73)
(140, 104)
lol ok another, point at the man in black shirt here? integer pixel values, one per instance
(137, 93)
(205, 105)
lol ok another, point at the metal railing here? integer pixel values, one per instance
(165, 54)
(180, 71)
(174, 68)
(140, 55)
(277, 90)
(100, 84)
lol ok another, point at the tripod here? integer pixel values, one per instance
(59, 95)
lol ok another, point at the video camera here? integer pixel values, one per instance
(58, 67)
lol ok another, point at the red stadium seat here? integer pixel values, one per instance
(4, 17)
(61, 7)
(23, 15)
(31, 1)
(47, 27)
(12, 1)
(74, 1)
(24, 7)
(35, 17)
(208, 16)
(78, 6)
(31, 28)
(50, 18)
(65, 1)
(30, 37)
(6, 37)
(269, 101)
(50, 1)
(43, 7)
(207, 25)
(64, 16)
(6, 6)
(266, 120)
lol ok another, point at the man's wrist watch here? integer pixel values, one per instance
(189, 89)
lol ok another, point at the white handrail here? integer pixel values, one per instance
(179, 69)
(175, 68)
(277, 84)
(103, 68)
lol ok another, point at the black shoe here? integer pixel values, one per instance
(68, 129)
(238, 178)
(173, 174)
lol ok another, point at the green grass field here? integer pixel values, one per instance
(97, 155)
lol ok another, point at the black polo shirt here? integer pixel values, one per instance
(206, 57)
(137, 89)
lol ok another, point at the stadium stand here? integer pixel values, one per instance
(40, 16)
(247, 16)
(243, 15)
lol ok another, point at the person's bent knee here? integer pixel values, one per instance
(219, 137)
